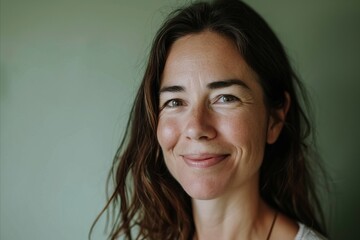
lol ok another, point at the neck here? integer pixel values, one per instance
(240, 215)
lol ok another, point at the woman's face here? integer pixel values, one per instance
(213, 124)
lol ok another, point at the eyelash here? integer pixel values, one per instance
(231, 97)
(167, 103)
(222, 99)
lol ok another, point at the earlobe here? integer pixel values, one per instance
(277, 119)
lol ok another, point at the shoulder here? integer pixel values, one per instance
(306, 233)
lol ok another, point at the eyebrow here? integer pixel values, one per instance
(212, 85)
(172, 89)
(227, 83)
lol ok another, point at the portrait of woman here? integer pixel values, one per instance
(179, 119)
(218, 144)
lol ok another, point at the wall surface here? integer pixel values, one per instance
(69, 71)
(322, 39)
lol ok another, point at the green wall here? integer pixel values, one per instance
(69, 71)
(323, 41)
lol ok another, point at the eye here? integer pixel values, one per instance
(226, 99)
(173, 103)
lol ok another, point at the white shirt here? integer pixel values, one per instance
(306, 233)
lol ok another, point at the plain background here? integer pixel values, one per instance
(69, 72)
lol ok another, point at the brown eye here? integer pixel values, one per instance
(173, 103)
(227, 99)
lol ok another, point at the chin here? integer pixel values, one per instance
(203, 190)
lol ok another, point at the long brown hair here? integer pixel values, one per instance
(147, 202)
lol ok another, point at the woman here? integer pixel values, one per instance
(217, 142)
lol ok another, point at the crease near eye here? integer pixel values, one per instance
(226, 98)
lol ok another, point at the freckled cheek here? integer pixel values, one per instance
(234, 127)
(242, 130)
(167, 133)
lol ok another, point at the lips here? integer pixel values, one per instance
(203, 160)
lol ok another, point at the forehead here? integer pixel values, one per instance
(206, 56)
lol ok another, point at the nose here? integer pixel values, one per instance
(200, 125)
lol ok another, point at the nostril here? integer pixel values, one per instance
(200, 130)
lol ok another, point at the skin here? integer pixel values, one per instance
(213, 127)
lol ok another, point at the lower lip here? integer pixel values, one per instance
(204, 162)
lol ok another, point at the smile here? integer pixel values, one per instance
(203, 160)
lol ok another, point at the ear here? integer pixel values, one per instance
(277, 119)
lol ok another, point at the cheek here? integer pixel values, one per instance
(246, 130)
(167, 133)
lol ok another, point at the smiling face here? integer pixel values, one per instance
(213, 124)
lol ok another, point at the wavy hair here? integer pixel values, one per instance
(147, 202)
